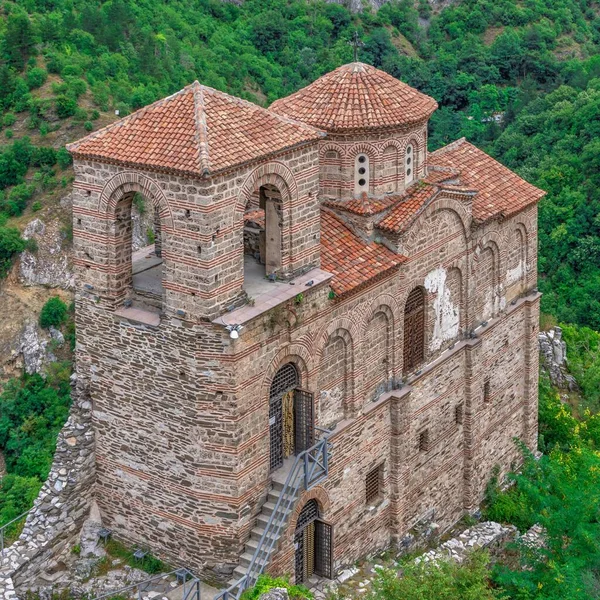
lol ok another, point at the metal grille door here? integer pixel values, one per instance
(304, 420)
(285, 380)
(305, 541)
(324, 549)
(414, 330)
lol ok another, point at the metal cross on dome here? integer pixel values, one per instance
(356, 43)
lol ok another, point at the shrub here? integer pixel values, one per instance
(16, 200)
(54, 313)
(8, 119)
(36, 77)
(442, 581)
(63, 158)
(11, 244)
(88, 126)
(37, 205)
(8, 133)
(266, 583)
(65, 106)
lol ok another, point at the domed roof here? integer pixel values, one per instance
(356, 96)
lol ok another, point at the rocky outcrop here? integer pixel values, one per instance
(553, 351)
(63, 504)
(50, 264)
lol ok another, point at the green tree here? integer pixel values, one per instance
(54, 313)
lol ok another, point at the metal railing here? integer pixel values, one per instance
(191, 586)
(310, 468)
(3, 533)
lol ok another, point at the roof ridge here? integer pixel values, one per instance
(451, 146)
(72, 147)
(248, 104)
(201, 132)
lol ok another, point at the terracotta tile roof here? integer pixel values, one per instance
(197, 131)
(500, 192)
(352, 260)
(408, 206)
(356, 96)
(255, 218)
(364, 206)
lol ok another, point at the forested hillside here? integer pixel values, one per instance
(519, 78)
(67, 65)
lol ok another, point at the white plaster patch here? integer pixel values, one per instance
(447, 319)
(516, 274)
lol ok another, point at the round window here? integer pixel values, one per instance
(361, 182)
(408, 160)
(362, 171)
(362, 158)
(408, 172)
(408, 149)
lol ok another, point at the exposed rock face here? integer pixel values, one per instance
(50, 265)
(553, 350)
(33, 349)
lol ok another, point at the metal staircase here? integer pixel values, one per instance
(310, 468)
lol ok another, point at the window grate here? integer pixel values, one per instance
(414, 330)
(486, 391)
(459, 414)
(424, 440)
(374, 484)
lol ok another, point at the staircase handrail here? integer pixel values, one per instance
(189, 593)
(305, 463)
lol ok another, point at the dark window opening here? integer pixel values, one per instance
(414, 330)
(459, 414)
(487, 395)
(374, 484)
(424, 441)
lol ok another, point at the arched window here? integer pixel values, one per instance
(361, 174)
(410, 163)
(414, 330)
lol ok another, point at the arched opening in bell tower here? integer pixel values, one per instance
(263, 240)
(139, 252)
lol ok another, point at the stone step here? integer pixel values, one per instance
(263, 519)
(246, 558)
(257, 532)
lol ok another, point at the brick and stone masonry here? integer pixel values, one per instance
(180, 410)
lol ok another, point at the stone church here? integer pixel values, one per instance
(331, 341)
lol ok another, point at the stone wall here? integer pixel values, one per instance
(53, 525)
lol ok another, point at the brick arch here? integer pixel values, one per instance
(497, 241)
(385, 144)
(296, 354)
(441, 204)
(377, 307)
(318, 493)
(342, 329)
(363, 148)
(410, 287)
(345, 325)
(132, 181)
(341, 150)
(274, 173)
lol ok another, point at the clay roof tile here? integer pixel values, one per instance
(356, 96)
(197, 131)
